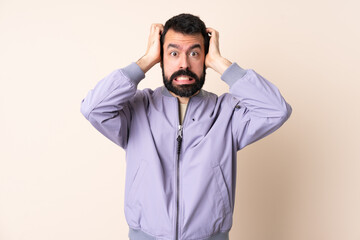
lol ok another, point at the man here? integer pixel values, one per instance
(180, 140)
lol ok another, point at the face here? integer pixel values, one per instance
(183, 63)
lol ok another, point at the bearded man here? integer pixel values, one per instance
(180, 140)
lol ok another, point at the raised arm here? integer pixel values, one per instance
(259, 108)
(107, 106)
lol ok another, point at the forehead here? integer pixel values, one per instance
(184, 40)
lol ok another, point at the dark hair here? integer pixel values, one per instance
(187, 24)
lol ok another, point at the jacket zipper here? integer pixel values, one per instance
(179, 141)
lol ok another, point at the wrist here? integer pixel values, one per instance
(220, 64)
(146, 63)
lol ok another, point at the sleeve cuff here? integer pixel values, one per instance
(134, 73)
(232, 74)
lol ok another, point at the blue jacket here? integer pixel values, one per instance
(180, 179)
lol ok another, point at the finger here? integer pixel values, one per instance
(156, 28)
(211, 31)
(155, 25)
(161, 27)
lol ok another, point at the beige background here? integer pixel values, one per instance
(61, 179)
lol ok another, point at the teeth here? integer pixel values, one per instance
(182, 78)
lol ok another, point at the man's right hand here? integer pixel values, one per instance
(152, 55)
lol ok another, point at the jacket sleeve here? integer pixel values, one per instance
(259, 107)
(107, 105)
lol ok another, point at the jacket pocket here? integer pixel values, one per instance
(223, 189)
(134, 188)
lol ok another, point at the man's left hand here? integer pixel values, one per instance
(214, 59)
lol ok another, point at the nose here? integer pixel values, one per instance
(184, 62)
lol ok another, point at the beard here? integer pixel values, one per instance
(184, 90)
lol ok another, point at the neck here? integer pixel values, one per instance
(182, 100)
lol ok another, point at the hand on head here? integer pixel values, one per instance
(152, 55)
(214, 59)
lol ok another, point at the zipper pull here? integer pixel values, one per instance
(179, 139)
(180, 132)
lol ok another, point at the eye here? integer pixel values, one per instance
(174, 54)
(194, 54)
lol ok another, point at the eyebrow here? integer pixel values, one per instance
(172, 45)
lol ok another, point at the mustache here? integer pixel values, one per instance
(183, 72)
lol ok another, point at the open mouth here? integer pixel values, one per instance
(180, 80)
